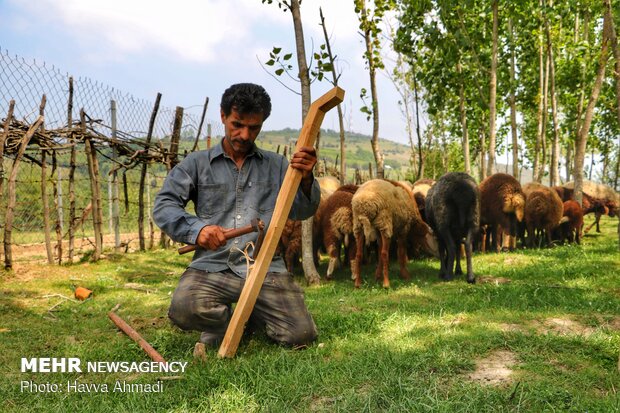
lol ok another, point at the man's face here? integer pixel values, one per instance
(241, 130)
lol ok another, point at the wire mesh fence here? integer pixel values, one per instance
(118, 115)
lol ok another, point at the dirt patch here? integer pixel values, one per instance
(489, 279)
(513, 328)
(495, 369)
(563, 326)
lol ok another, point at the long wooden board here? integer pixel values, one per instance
(292, 179)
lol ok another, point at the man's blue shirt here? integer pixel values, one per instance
(225, 196)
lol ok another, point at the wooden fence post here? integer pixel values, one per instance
(93, 172)
(72, 166)
(5, 134)
(10, 208)
(116, 222)
(202, 119)
(143, 172)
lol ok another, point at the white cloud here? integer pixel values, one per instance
(192, 30)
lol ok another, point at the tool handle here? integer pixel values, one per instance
(228, 234)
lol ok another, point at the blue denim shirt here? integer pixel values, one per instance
(223, 195)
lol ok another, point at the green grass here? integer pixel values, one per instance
(409, 348)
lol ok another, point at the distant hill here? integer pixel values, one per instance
(358, 149)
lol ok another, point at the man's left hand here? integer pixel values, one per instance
(304, 161)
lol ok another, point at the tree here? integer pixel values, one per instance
(369, 25)
(330, 66)
(582, 136)
(293, 6)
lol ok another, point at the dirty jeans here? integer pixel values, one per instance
(202, 302)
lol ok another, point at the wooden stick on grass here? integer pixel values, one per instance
(247, 299)
(135, 336)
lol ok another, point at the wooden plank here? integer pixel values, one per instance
(292, 179)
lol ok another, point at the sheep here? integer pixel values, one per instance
(382, 209)
(571, 230)
(420, 189)
(290, 244)
(502, 205)
(605, 199)
(336, 223)
(543, 211)
(453, 212)
(328, 184)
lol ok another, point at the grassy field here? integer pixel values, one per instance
(540, 331)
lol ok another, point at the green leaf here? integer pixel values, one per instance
(270, 62)
(276, 50)
(279, 72)
(288, 56)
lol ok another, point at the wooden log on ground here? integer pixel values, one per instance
(256, 275)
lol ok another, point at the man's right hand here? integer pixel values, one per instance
(211, 237)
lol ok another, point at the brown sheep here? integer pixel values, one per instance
(605, 199)
(382, 210)
(543, 211)
(336, 222)
(290, 243)
(420, 190)
(502, 205)
(571, 230)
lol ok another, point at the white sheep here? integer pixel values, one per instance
(382, 210)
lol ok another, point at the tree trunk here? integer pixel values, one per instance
(332, 61)
(554, 170)
(616, 54)
(540, 117)
(582, 137)
(72, 167)
(372, 72)
(513, 104)
(483, 171)
(417, 126)
(307, 250)
(493, 93)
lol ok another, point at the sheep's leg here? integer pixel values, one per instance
(530, 235)
(497, 245)
(402, 257)
(577, 236)
(450, 256)
(379, 269)
(468, 251)
(333, 261)
(355, 266)
(385, 260)
(351, 249)
(483, 246)
(443, 256)
(597, 218)
(459, 252)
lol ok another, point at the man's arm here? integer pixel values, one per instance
(169, 211)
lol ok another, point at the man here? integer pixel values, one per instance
(231, 184)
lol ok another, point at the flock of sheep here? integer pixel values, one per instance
(442, 218)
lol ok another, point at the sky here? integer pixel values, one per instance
(191, 49)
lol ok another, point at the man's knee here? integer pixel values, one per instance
(189, 312)
(302, 335)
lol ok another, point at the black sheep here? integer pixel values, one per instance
(453, 212)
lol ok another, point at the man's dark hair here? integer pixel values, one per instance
(246, 98)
